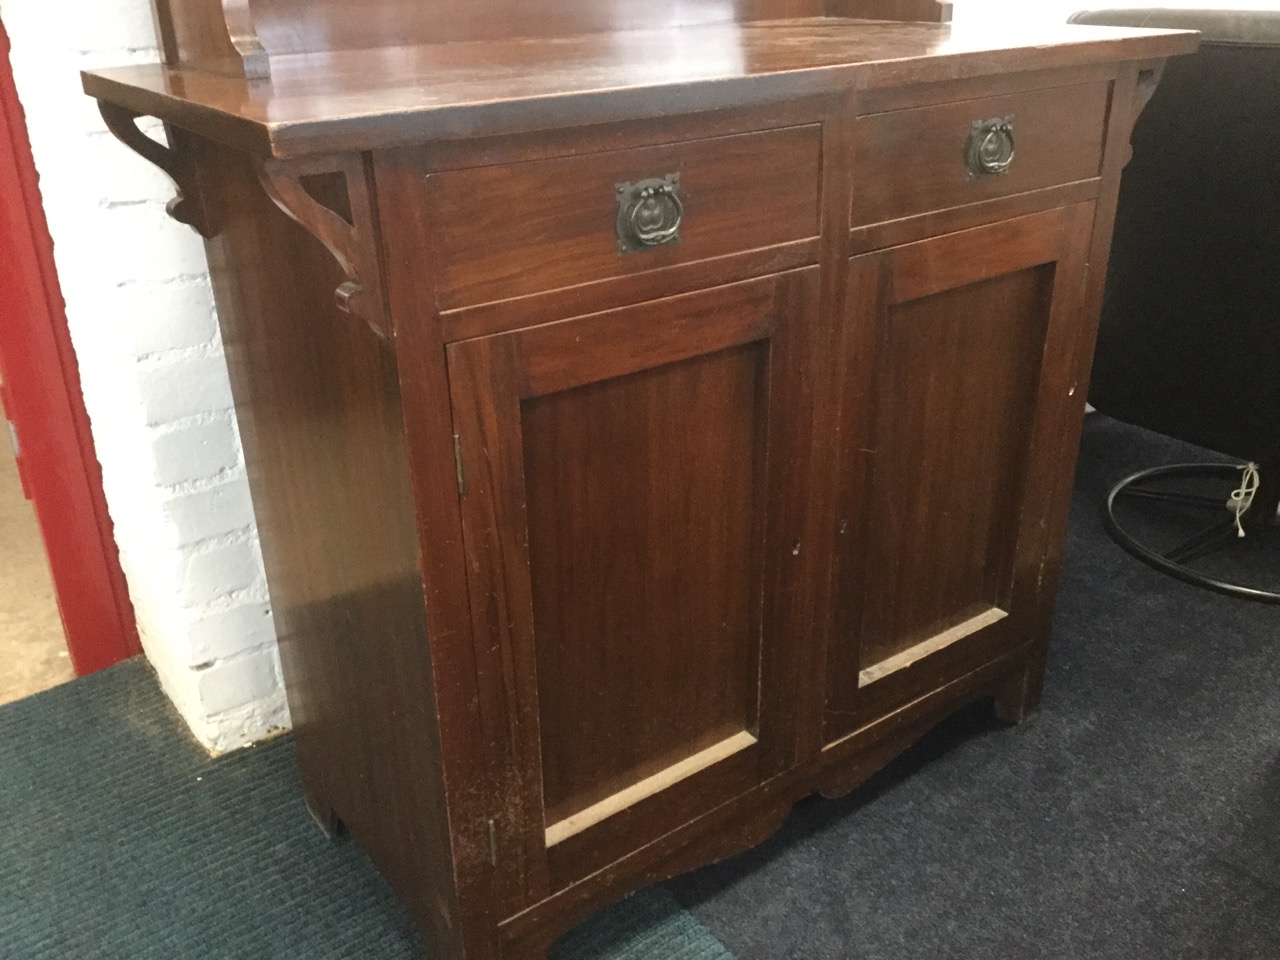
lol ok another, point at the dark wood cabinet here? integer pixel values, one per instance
(647, 427)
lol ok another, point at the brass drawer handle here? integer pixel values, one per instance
(991, 148)
(649, 214)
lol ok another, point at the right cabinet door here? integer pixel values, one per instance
(960, 385)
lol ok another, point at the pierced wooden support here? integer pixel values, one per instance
(186, 207)
(349, 236)
(1148, 81)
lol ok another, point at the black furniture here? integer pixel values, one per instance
(1189, 344)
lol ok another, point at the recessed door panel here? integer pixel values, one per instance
(958, 372)
(644, 496)
(965, 348)
(632, 489)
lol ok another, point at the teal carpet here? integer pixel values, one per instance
(121, 840)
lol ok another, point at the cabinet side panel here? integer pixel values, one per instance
(320, 415)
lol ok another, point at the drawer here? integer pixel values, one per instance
(515, 229)
(916, 161)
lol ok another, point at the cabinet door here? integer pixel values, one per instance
(633, 500)
(960, 387)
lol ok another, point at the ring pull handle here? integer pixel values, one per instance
(991, 147)
(650, 214)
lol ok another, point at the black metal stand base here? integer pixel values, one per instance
(1219, 532)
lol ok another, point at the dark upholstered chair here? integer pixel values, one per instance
(1190, 338)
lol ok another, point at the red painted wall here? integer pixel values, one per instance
(42, 397)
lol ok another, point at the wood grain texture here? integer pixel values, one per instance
(511, 230)
(467, 695)
(916, 157)
(194, 33)
(331, 200)
(645, 497)
(877, 236)
(956, 387)
(1024, 80)
(801, 365)
(559, 356)
(488, 442)
(242, 31)
(186, 207)
(619, 518)
(320, 418)
(922, 270)
(307, 26)
(502, 315)
(820, 373)
(383, 97)
(1072, 368)
(614, 135)
(942, 471)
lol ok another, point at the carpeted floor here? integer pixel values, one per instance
(121, 840)
(1137, 816)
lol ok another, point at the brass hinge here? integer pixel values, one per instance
(457, 461)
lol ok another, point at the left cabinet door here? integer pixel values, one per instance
(632, 496)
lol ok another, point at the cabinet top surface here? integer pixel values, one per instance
(365, 99)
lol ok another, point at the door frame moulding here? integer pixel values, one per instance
(43, 399)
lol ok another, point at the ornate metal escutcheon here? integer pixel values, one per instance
(649, 214)
(990, 149)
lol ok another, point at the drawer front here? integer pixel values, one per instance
(512, 230)
(917, 161)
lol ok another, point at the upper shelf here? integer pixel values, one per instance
(363, 99)
(246, 37)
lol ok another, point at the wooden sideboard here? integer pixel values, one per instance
(653, 415)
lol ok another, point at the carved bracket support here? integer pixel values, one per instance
(349, 241)
(1148, 81)
(186, 207)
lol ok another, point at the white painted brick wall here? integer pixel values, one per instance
(207, 450)
(155, 380)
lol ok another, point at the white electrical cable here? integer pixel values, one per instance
(1242, 498)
